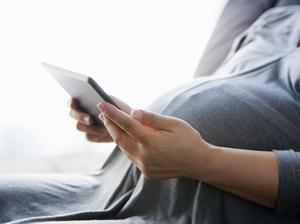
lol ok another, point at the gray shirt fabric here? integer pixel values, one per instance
(251, 102)
(289, 194)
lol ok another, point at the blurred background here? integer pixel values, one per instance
(135, 49)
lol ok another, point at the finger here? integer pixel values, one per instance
(78, 114)
(81, 117)
(91, 129)
(97, 138)
(73, 104)
(120, 137)
(124, 121)
(153, 120)
(124, 107)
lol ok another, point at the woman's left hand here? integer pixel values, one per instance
(160, 146)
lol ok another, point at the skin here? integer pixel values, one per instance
(85, 122)
(166, 147)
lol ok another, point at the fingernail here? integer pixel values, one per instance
(137, 114)
(87, 119)
(98, 106)
(71, 113)
(101, 116)
(102, 106)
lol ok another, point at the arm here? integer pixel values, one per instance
(166, 147)
(252, 175)
(271, 179)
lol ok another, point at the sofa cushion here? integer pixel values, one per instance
(287, 2)
(236, 17)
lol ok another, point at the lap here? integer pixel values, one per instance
(29, 195)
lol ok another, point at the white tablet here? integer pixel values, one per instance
(83, 89)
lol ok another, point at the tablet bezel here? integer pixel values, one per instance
(60, 74)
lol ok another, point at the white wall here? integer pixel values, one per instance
(135, 49)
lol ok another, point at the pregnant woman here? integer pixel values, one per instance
(215, 150)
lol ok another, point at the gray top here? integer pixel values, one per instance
(289, 195)
(252, 102)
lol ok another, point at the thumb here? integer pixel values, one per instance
(152, 120)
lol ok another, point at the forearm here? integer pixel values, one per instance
(249, 174)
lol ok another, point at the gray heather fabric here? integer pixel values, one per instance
(253, 102)
(289, 195)
(236, 17)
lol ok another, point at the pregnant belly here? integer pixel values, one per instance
(236, 112)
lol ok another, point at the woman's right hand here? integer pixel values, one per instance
(86, 124)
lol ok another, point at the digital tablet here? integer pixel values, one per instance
(82, 88)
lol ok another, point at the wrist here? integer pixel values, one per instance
(212, 165)
(209, 166)
(203, 161)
